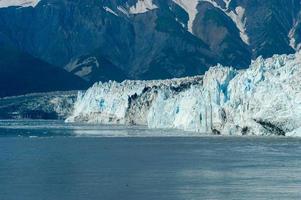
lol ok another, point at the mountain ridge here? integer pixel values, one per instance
(16, 79)
(150, 39)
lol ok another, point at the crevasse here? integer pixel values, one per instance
(264, 99)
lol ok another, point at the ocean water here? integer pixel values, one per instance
(49, 160)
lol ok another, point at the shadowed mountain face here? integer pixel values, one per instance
(99, 40)
(21, 73)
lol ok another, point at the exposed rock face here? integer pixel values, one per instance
(265, 99)
(142, 45)
(149, 39)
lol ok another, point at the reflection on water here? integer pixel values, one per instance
(144, 168)
(42, 128)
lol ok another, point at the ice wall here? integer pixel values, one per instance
(262, 100)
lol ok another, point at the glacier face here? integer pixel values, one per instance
(265, 99)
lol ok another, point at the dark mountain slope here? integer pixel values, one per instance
(20, 73)
(100, 40)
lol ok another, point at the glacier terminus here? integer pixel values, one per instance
(264, 99)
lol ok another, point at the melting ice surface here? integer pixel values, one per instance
(265, 99)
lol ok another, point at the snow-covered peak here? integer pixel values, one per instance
(142, 6)
(18, 3)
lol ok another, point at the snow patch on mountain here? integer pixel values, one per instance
(191, 9)
(142, 6)
(237, 15)
(291, 36)
(18, 3)
(239, 18)
(82, 67)
(227, 2)
(262, 100)
(110, 10)
(123, 10)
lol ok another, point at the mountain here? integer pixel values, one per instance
(100, 40)
(20, 73)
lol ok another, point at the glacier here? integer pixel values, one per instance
(264, 99)
(50, 105)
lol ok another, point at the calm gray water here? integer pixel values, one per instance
(52, 161)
